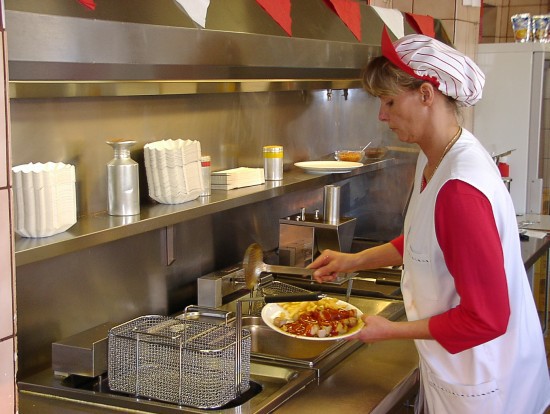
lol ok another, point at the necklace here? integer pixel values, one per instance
(445, 151)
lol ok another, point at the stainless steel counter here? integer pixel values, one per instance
(371, 380)
(374, 378)
(46, 393)
(532, 250)
(387, 371)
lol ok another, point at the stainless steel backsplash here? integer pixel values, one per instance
(117, 281)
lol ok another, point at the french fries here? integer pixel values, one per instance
(294, 309)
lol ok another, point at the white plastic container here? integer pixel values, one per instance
(44, 198)
(173, 170)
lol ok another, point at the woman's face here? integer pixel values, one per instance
(404, 114)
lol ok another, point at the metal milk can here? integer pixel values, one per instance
(123, 180)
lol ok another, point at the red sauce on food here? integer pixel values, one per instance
(325, 318)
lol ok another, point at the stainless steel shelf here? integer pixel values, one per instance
(98, 229)
(68, 89)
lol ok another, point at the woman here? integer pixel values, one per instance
(468, 302)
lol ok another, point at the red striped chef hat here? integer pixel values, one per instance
(450, 71)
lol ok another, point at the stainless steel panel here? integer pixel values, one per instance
(159, 50)
(43, 47)
(269, 345)
(83, 354)
(232, 128)
(44, 393)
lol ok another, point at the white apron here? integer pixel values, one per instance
(508, 374)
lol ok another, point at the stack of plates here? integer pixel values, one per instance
(45, 198)
(173, 170)
(237, 178)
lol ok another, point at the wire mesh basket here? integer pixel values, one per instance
(279, 288)
(272, 288)
(187, 362)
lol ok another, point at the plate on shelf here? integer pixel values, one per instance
(328, 167)
(273, 310)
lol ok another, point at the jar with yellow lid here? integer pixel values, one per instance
(273, 162)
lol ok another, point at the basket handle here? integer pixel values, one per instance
(206, 311)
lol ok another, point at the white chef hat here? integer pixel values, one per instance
(450, 71)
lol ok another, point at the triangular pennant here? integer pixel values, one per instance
(349, 12)
(421, 24)
(391, 54)
(196, 10)
(90, 4)
(279, 10)
(393, 19)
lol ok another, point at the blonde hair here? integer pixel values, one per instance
(383, 78)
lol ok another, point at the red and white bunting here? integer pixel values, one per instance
(195, 9)
(279, 10)
(349, 12)
(393, 19)
(421, 24)
(89, 4)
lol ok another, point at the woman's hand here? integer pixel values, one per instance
(376, 329)
(329, 264)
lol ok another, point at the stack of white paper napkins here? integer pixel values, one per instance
(44, 198)
(237, 178)
(173, 170)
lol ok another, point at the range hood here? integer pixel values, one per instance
(141, 47)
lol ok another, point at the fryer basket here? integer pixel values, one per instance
(271, 288)
(183, 361)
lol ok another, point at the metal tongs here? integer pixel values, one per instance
(254, 267)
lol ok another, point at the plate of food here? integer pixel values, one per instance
(328, 167)
(327, 319)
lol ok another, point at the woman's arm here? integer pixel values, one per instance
(330, 262)
(469, 239)
(467, 234)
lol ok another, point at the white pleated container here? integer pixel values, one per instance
(44, 198)
(173, 170)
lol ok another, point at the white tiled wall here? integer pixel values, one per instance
(3, 129)
(7, 334)
(6, 318)
(7, 375)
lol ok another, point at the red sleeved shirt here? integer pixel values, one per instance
(467, 234)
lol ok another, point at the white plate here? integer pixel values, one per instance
(328, 167)
(273, 310)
